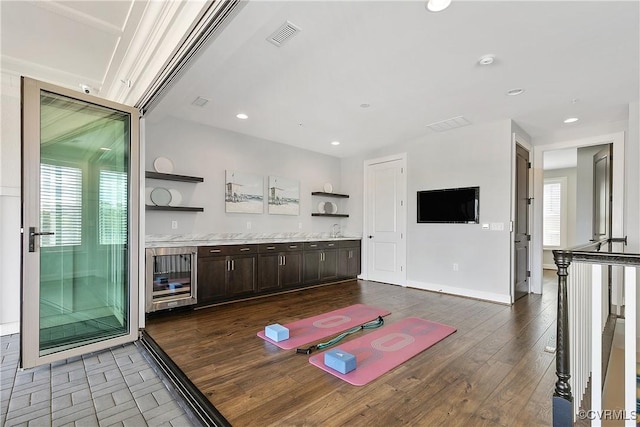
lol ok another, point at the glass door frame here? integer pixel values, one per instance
(30, 280)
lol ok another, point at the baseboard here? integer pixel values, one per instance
(9, 328)
(550, 267)
(463, 292)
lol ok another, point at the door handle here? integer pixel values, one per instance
(371, 237)
(32, 237)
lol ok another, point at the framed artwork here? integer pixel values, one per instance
(244, 192)
(284, 196)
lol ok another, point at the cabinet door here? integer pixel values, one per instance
(291, 269)
(348, 262)
(268, 266)
(354, 264)
(242, 275)
(311, 266)
(329, 265)
(212, 273)
(343, 262)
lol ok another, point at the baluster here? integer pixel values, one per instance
(562, 399)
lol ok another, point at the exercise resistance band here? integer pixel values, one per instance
(369, 325)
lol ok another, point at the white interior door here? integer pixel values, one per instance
(385, 220)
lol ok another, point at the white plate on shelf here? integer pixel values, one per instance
(160, 196)
(163, 165)
(176, 197)
(328, 188)
(147, 195)
(330, 208)
(321, 207)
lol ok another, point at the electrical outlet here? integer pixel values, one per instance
(174, 225)
(248, 225)
(455, 266)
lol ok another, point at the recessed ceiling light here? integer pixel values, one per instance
(486, 59)
(571, 120)
(365, 105)
(335, 143)
(242, 116)
(437, 5)
(515, 92)
(200, 101)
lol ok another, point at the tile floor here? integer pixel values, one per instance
(115, 387)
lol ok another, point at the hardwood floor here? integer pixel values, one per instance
(493, 371)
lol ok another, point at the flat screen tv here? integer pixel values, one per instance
(453, 205)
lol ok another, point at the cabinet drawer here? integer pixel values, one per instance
(331, 244)
(280, 247)
(349, 244)
(221, 250)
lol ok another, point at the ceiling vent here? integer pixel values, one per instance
(283, 34)
(452, 123)
(200, 101)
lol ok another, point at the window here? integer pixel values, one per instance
(60, 205)
(113, 207)
(554, 215)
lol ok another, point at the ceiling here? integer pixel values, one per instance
(413, 67)
(111, 49)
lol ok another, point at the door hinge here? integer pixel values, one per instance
(528, 237)
(530, 200)
(528, 165)
(401, 268)
(528, 273)
(401, 170)
(401, 202)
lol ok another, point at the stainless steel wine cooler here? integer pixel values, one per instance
(171, 277)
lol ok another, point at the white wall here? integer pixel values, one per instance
(478, 155)
(10, 204)
(570, 174)
(207, 152)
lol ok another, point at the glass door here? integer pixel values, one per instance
(80, 216)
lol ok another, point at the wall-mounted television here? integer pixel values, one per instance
(452, 205)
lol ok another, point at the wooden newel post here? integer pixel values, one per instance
(562, 398)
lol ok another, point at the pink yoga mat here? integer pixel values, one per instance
(315, 328)
(380, 351)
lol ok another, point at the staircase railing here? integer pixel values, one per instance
(583, 307)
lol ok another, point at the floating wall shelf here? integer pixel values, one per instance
(174, 208)
(333, 215)
(172, 177)
(322, 193)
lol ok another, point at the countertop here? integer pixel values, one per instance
(180, 240)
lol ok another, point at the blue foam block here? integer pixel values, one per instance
(276, 332)
(339, 360)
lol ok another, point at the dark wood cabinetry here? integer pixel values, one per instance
(349, 258)
(212, 279)
(228, 272)
(280, 266)
(320, 262)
